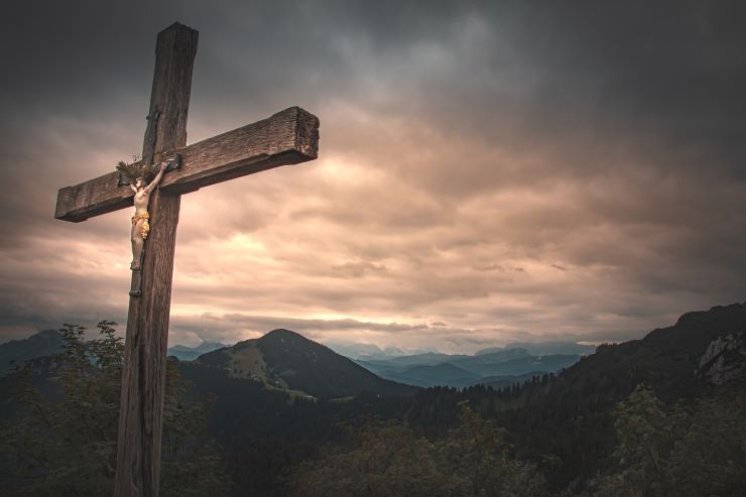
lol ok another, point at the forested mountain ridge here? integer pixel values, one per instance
(657, 417)
(668, 359)
(570, 418)
(564, 424)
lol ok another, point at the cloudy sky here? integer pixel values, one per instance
(488, 171)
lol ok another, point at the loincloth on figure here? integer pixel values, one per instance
(145, 228)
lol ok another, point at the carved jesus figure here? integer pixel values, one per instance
(140, 224)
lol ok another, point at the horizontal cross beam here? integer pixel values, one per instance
(288, 137)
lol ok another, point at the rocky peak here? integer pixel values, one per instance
(725, 359)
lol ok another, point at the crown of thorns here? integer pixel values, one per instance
(135, 170)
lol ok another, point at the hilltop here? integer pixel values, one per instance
(287, 361)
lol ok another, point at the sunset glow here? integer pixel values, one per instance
(485, 175)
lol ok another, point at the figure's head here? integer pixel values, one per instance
(139, 182)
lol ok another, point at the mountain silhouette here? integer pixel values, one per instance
(571, 415)
(285, 360)
(44, 343)
(670, 359)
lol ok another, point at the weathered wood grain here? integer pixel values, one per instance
(288, 137)
(144, 371)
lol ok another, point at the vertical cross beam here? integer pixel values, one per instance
(144, 373)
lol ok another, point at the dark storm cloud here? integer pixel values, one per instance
(507, 169)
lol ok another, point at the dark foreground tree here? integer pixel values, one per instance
(689, 450)
(61, 440)
(390, 460)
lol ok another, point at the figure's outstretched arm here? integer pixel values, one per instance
(133, 187)
(153, 184)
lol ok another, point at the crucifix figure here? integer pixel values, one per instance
(142, 184)
(288, 137)
(140, 221)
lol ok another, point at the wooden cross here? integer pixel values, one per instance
(288, 137)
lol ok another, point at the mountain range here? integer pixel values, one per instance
(275, 400)
(493, 367)
(284, 360)
(496, 367)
